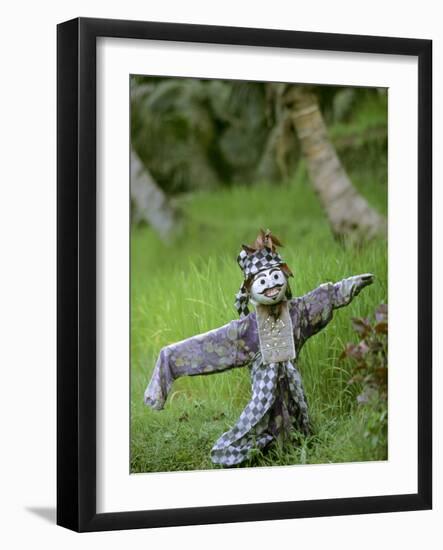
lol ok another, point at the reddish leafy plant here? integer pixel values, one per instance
(369, 356)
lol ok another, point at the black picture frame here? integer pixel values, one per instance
(76, 273)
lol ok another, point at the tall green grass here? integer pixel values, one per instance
(187, 288)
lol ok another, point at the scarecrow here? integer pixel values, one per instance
(269, 340)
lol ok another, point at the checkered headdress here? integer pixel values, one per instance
(253, 259)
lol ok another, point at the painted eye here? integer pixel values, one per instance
(276, 276)
(262, 282)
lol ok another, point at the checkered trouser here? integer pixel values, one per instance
(252, 429)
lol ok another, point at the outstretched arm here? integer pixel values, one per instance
(318, 305)
(217, 350)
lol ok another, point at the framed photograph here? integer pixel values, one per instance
(238, 211)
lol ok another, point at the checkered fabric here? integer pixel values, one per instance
(241, 302)
(260, 422)
(256, 261)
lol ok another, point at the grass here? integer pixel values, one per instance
(187, 288)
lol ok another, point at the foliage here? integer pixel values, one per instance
(173, 131)
(357, 122)
(189, 288)
(196, 134)
(370, 355)
(369, 358)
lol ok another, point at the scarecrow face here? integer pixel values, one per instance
(269, 286)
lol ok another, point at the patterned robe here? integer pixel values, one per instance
(278, 403)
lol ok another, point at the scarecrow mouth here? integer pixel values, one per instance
(272, 292)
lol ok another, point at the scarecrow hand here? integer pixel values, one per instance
(344, 291)
(363, 280)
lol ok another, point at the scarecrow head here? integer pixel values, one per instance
(265, 273)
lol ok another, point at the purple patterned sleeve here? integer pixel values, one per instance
(316, 307)
(232, 345)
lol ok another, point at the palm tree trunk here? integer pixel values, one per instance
(150, 202)
(348, 212)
